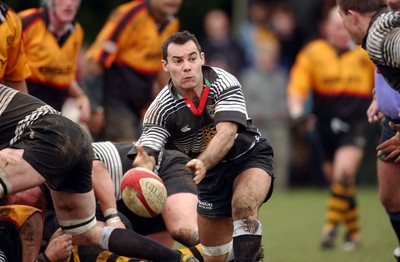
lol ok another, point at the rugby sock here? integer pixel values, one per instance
(395, 221)
(352, 222)
(194, 251)
(130, 244)
(337, 206)
(246, 239)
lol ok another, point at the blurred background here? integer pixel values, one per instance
(286, 27)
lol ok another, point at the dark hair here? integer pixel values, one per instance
(179, 38)
(361, 6)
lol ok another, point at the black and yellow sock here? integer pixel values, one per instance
(337, 206)
(352, 222)
(194, 251)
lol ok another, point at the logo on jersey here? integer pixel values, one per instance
(211, 110)
(186, 128)
(208, 132)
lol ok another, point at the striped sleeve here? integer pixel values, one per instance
(108, 154)
(383, 40)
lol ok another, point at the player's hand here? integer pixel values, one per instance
(373, 113)
(199, 169)
(60, 247)
(143, 159)
(390, 149)
(82, 102)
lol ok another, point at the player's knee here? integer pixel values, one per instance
(390, 202)
(244, 210)
(186, 236)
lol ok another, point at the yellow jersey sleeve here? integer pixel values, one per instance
(14, 65)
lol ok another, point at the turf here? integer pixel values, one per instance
(292, 222)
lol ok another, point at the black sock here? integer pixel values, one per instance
(395, 221)
(245, 247)
(130, 244)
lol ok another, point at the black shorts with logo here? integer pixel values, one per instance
(215, 190)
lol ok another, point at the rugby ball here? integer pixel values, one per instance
(143, 192)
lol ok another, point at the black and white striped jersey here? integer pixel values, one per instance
(383, 45)
(112, 155)
(170, 119)
(17, 112)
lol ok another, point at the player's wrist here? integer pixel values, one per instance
(111, 216)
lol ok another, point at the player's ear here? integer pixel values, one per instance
(164, 65)
(354, 16)
(203, 58)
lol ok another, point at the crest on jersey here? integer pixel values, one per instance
(211, 110)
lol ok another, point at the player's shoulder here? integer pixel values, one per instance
(128, 9)
(219, 78)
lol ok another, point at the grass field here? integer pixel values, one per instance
(292, 222)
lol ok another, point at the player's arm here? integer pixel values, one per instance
(82, 101)
(103, 188)
(144, 159)
(215, 151)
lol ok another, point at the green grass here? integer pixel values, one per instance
(292, 222)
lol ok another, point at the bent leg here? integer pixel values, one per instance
(249, 192)
(180, 218)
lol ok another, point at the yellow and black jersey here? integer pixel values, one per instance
(132, 38)
(52, 61)
(13, 63)
(341, 84)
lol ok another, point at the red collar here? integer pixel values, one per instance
(203, 101)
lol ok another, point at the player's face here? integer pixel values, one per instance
(65, 10)
(349, 23)
(184, 65)
(394, 5)
(336, 32)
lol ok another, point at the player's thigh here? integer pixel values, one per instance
(73, 206)
(17, 172)
(389, 184)
(180, 211)
(250, 190)
(215, 231)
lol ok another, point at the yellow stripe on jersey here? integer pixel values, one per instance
(131, 38)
